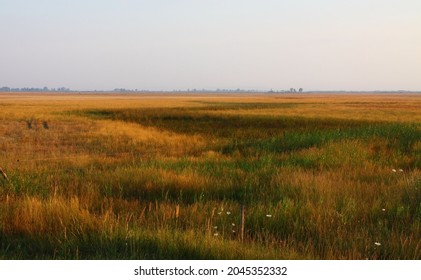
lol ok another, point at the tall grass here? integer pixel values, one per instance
(124, 182)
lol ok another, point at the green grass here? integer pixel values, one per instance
(256, 135)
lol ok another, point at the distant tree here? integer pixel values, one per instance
(300, 90)
(62, 89)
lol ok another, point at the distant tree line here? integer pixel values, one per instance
(126, 90)
(294, 90)
(27, 89)
(239, 90)
(219, 90)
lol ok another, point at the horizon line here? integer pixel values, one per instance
(196, 90)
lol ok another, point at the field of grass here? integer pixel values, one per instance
(166, 176)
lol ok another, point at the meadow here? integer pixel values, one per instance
(170, 176)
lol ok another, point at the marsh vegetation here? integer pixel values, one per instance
(166, 177)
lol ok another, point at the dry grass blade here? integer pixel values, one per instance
(4, 174)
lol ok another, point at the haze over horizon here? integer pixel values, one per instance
(360, 45)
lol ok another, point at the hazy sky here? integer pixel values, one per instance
(180, 44)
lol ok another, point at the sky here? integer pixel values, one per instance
(186, 44)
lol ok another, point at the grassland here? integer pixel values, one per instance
(166, 176)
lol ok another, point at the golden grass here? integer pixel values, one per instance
(101, 187)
